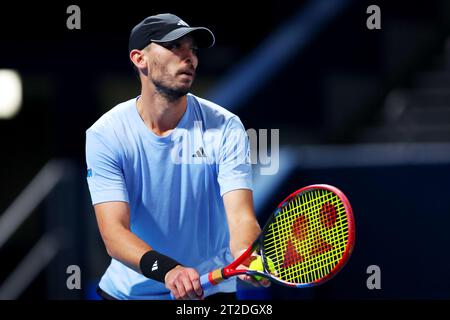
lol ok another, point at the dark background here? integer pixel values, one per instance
(347, 87)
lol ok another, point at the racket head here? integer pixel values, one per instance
(309, 237)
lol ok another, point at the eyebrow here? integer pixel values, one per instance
(179, 40)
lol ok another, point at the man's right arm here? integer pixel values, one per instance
(113, 220)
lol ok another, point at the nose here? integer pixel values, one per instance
(187, 54)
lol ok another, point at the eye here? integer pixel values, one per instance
(171, 45)
(176, 45)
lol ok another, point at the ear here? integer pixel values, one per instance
(138, 59)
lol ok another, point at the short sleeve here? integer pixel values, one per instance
(104, 173)
(235, 170)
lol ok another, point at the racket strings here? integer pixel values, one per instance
(316, 245)
(307, 238)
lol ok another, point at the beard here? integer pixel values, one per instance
(170, 93)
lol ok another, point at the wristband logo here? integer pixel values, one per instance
(155, 266)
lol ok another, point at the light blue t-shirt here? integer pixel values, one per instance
(173, 184)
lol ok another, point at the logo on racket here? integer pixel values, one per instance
(307, 234)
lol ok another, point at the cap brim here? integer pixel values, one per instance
(203, 37)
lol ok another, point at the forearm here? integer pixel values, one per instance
(126, 247)
(242, 234)
(242, 222)
(121, 244)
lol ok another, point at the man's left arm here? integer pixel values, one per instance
(243, 226)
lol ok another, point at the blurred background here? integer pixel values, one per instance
(365, 110)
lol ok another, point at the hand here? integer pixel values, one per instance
(263, 282)
(184, 283)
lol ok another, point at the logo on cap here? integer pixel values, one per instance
(182, 23)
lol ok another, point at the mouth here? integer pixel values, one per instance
(187, 72)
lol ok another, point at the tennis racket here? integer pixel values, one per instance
(305, 242)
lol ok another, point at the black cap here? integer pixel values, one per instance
(167, 27)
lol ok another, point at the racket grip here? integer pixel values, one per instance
(204, 282)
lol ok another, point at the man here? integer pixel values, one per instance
(169, 174)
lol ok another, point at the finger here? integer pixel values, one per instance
(190, 293)
(174, 292)
(197, 286)
(250, 280)
(180, 290)
(265, 282)
(251, 258)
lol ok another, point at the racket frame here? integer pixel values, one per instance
(230, 270)
(350, 241)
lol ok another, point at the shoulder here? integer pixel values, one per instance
(212, 111)
(112, 120)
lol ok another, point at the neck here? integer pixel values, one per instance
(160, 115)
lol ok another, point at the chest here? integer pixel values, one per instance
(183, 162)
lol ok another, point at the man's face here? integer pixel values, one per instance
(172, 65)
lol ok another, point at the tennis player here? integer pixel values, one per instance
(169, 174)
